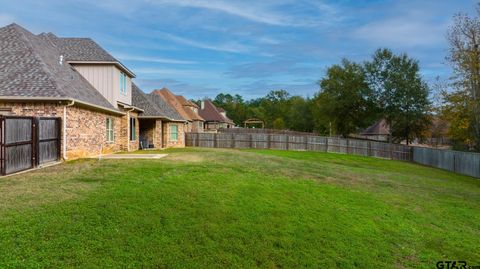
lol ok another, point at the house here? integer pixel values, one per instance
(180, 104)
(160, 124)
(101, 110)
(192, 109)
(215, 118)
(379, 131)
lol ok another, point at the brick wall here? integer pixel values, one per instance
(86, 129)
(157, 136)
(87, 133)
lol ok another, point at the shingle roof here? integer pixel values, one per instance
(379, 128)
(30, 67)
(163, 107)
(140, 99)
(187, 106)
(186, 102)
(211, 113)
(82, 50)
(175, 103)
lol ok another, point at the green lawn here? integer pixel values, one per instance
(206, 208)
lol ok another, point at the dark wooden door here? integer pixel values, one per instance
(26, 142)
(17, 144)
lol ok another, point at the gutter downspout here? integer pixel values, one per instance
(65, 129)
(128, 128)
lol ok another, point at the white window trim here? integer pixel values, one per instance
(123, 83)
(134, 126)
(110, 138)
(170, 130)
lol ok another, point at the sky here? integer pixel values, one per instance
(199, 48)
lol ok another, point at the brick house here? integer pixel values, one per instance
(215, 117)
(91, 91)
(183, 107)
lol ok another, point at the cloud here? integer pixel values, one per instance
(173, 72)
(6, 19)
(260, 88)
(129, 57)
(225, 47)
(266, 12)
(269, 69)
(403, 31)
(188, 90)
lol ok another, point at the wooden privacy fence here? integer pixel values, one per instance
(466, 163)
(261, 131)
(299, 142)
(26, 142)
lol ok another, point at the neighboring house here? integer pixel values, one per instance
(160, 124)
(78, 81)
(192, 109)
(215, 118)
(180, 104)
(379, 131)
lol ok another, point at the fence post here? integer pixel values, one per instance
(251, 141)
(35, 144)
(454, 162)
(233, 141)
(215, 142)
(59, 136)
(369, 148)
(348, 146)
(326, 144)
(287, 139)
(306, 142)
(390, 145)
(198, 140)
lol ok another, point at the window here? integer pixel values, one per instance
(173, 132)
(133, 129)
(110, 135)
(123, 83)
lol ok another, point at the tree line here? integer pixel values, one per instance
(354, 95)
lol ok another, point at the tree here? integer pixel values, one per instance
(464, 56)
(233, 105)
(400, 92)
(299, 115)
(345, 100)
(278, 124)
(457, 110)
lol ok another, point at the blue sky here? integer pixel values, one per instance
(200, 48)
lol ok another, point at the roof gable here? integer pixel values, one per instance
(172, 100)
(211, 113)
(83, 50)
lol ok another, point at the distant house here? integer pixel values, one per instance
(183, 107)
(75, 79)
(192, 110)
(160, 124)
(379, 131)
(215, 118)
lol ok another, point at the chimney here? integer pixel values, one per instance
(202, 105)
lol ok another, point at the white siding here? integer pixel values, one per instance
(119, 96)
(106, 79)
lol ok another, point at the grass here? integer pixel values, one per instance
(207, 208)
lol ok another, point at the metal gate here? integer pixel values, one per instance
(26, 142)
